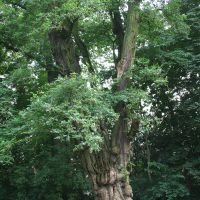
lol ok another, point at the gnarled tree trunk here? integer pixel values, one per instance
(108, 168)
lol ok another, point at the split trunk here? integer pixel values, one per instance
(107, 169)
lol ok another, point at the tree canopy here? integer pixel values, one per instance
(99, 99)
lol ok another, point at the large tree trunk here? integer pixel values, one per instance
(109, 181)
(108, 169)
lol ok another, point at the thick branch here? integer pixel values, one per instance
(120, 142)
(63, 47)
(118, 31)
(129, 43)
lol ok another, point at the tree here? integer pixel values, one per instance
(174, 143)
(99, 122)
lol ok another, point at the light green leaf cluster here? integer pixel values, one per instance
(69, 111)
(174, 17)
(145, 73)
(7, 98)
(5, 154)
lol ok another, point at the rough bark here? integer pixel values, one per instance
(129, 43)
(108, 181)
(63, 48)
(108, 169)
(118, 31)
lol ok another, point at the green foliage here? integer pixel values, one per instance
(26, 82)
(51, 173)
(7, 100)
(70, 110)
(44, 126)
(145, 74)
(173, 169)
(170, 184)
(7, 111)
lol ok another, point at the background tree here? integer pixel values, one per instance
(173, 143)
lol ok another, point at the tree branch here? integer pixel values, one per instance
(118, 31)
(129, 43)
(83, 49)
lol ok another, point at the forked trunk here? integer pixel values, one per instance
(107, 169)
